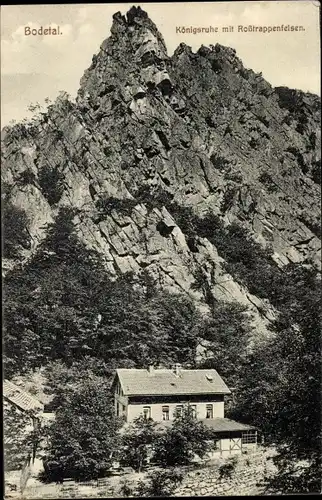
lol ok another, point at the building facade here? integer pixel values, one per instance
(159, 394)
(22, 414)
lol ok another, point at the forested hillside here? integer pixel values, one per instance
(170, 214)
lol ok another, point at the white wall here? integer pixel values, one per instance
(134, 410)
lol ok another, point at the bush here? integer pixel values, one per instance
(83, 435)
(185, 439)
(228, 199)
(51, 182)
(268, 182)
(161, 483)
(227, 469)
(126, 490)
(316, 172)
(135, 443)
(219, 162)
(107, 204)
(16, 235)
(26, 177)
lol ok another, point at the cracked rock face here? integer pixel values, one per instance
(200, 127)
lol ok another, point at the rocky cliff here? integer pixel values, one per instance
(153, 145)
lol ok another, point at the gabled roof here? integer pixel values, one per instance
(138, 382)
(217, 425)
(23, 400)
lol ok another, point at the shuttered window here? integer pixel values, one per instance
(165, 412)
(147, 412)
(209, 411)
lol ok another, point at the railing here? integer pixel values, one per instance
(90, 489)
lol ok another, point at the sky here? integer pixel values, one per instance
(36, 67)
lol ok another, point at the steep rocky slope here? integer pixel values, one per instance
(149, 134)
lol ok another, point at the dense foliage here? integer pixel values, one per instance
(161, 483)
(179, 444)
(63, 306)
(281, 387)
(51, 182)
(16, 236)
(227, 332)
(65, 312)
(186, 439)
(18, 440)
(81, 440)
(136, 443)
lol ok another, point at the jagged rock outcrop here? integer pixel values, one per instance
(199, 127)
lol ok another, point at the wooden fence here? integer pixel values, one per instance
(72, 489)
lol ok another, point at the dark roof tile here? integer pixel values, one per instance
(20, 398)
(164, 382)
(217, 424)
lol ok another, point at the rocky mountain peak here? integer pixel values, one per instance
(134, 56)
(175, 165)
(135, 20)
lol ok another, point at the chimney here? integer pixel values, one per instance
(177, 370)
(151, 370)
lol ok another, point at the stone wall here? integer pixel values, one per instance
(245, 476)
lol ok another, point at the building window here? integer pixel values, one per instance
(117, 410)
(178, 410)
(193, 410)
(123, 409)
(165, 412)
(147, 412)
(249, 437)
(209, 411)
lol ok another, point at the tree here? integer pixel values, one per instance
(64, 305)
(15, 224)
(281, 388)
(51, 181)
(185, 439)
(161, 483)
(59, 376)
(50, 306)
(136, 442)
(227, 331)
(83, 436)
(17, 440)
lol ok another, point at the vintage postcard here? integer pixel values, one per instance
(161, 171)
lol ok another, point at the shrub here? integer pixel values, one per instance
(227, 469)
(316, 172)
(185, 439)
(51, 182)
(161, 483)
(109, 203)
(219, 162)
(135, 443)
(145, 195)
(234, 176)
(16, 235)
(26, 177)
(268, 182)
(126, 490)
(228, 198)
(84, 433)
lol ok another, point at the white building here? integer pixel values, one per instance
(160, 393)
